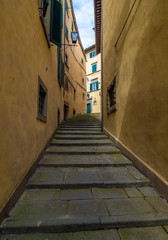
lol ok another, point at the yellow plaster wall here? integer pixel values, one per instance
(24, 56)
(76, 71)
(141, 119)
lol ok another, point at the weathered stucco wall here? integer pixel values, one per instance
(75, 70)
(141, 120)
(24, 55)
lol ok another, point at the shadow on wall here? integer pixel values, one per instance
(143, 73)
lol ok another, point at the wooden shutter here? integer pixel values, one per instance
(90, 87)
(90, 55)
(97, 85)
(56, 22)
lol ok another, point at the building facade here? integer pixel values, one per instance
(75, 69)
(135, 82)
(32, 86)
(93, 80)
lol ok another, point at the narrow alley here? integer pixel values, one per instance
(85, 188)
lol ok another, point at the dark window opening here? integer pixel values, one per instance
(74, 94)
(83, 81)
(58, 117)
(74, 112)
(111, 97)
(66, 84)
(83, 96)
(42, 101)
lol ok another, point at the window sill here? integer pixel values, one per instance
(112, 109)
(41, 117)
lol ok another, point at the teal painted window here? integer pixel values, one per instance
(67, 7)
(72, 26)
(56, 20)
(82, 60)
(95, 102)
(94, 86)
(94, 67)
(90, 87)
(67, 32)
(92, 54)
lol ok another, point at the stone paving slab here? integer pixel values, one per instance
(78, 160)
(108, 193)
(78, 177)
(76, 194)
(37, 210)
(128, 206)
(133, 192)
(149, 233)
(87, 208)
(136, 173)
(79, 132)
(83, 235)
(41, 194)
(82, 141)
(80, 136)
(158, 203)
(148, 191)
(79, 129)
(83, 149)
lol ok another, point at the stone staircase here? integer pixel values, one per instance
(84, 188)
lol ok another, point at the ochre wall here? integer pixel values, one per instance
(76, 71)
(141, 120)
(24, 55)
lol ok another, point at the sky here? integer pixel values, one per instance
(84, 12)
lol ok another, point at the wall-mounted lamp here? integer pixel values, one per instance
(74, 36)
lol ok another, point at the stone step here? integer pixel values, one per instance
(65, 210)
(63, 178)
(80, 129)
(73, 132)
(155, 233)
(79, 126)
(80, 136)
(54, 160)
(83, 142)
(83, 150)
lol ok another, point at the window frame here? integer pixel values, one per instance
(111, 97)
(42, 116)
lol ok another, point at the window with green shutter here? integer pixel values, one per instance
(90, 87)
(82, 60)
(94, 67)
(67, 32)
(56, 20)
(91, 55)
(67, 7)
(72, 26)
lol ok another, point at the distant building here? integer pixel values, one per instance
(93, 80)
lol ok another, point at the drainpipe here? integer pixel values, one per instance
(102, 119)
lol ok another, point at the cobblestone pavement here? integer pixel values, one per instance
(85, 188)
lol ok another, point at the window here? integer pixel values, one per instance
(83, 81)
(66, 33)
(94, 102)
(72, 26)
(42, 101)
(58, 117)
(92, 54)
(74, 112)
(88, 95)
(67, 7)
(82, 60)
(94, 86)
(94, 67)
(111, 97)
(74, 94)
(87, 79)
(66, 83)
(51, 17)
(66, 60)
(83, 96)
